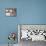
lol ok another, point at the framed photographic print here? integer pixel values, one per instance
(10, 11)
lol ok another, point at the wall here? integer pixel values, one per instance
(28, 12)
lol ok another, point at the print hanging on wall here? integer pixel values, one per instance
(10, 11)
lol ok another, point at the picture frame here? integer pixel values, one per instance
(10, 11)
